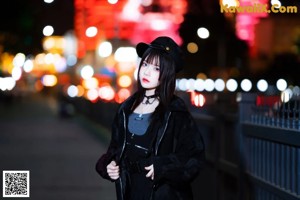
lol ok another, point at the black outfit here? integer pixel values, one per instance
(137, 149)
(176, 151)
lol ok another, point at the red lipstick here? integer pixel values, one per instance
(145, 80)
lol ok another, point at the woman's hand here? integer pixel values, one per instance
(113, 170)
(151, 171)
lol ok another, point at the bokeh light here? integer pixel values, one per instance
(112, 1)
(124, 81)
(48, 30)
(262, 85)
(281, 85)
(203, 33)
(231, 85)
(199, 85)
(209, 85)
(28, 66)
(286, 95)
(105, 49)
(246, 85)
(91, 31)
(72, 91)
(192, 47)
(87, 72)
(219, 85)
(49, 80)
(16, 73)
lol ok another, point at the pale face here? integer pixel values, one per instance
(149, 75)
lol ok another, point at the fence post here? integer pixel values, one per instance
(245, 101)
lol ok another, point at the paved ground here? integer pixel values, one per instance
(59, 153)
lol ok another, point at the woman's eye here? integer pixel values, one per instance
(145, 64)
(157, 68)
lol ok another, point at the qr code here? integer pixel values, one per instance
(15, 183)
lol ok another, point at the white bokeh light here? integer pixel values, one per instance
(28, 66)
(19, 60)
(246, 85)
(112, 1)
(72, 91)
(219, 85)
(7, 83)
(48, 30)
(91, 31)
(182, 84)
(105, 49)
(2, 84)
(231, 85)
(126, 54)
(276, 2)
(49, 80)
(209, 85)
(199, 85)
(48, 1)
(16, 73)
(281, 85)
(262, 85)
(87, 72)
(190, 84)
(286, 95)
(203, 33)
(92, 94)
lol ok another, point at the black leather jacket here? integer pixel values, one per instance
(178, 152)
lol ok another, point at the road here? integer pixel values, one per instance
(60, 153)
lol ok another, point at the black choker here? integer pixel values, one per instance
(154, 96)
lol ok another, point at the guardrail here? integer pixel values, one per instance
(272, 149)
(253, 150)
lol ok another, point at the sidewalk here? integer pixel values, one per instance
(59, 153)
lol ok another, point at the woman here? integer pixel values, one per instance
(156, 149)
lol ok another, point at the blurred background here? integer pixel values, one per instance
(86, 45)
(76, 60)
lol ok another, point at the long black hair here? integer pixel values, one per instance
(167, 78)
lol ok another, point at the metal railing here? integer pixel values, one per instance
(272, 150)
(252, 145)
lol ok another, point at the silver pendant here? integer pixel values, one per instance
(139, 118)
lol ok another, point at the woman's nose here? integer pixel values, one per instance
(147, 71)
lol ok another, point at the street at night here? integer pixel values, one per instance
(68, 69)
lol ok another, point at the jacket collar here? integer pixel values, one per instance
(177, 105)
(128, 103)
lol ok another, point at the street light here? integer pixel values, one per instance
(203, 33)
(48, 30)
(48, 1)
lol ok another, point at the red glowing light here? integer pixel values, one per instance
(126, 20)
(197, 99)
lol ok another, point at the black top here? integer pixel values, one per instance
(138, 123)
(138, 148)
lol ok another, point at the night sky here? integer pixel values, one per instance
(22, 22)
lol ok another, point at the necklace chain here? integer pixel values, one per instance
(148, 101)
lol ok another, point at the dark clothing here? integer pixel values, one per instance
(137, 149)
(177, 153)
(138, 124)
